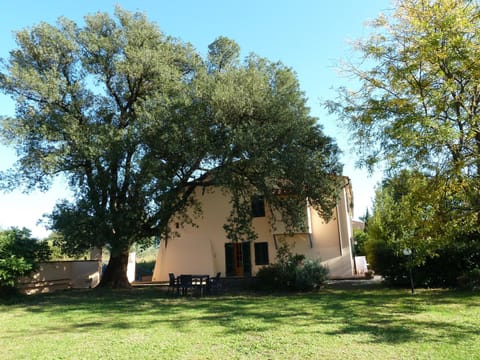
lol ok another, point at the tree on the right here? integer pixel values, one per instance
(416, 113)
(416, 106)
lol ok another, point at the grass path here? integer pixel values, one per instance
(330, 324)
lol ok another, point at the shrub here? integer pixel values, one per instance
(11, 268)
(451, 265)
(19, 255)
(470, 279)
(269, 277)
(310, 275)
(291, 271)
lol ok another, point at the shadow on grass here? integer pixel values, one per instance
(384, 315)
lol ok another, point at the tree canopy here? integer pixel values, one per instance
(416, 112)
(417, 104)
(137, 120)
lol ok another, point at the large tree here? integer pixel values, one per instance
(417, 104)
(137, 120)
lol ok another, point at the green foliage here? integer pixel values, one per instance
(405, 216)
(417, 107)
(280, 275)
(470, 279)
(310, 275)
(55, 241)
(222, 53)
(291, 272)
(137, 121)
(360, 237)
(453, 265)
(19, 255)
(11, 268)
(147, 254)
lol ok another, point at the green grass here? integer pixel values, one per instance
(330, 324)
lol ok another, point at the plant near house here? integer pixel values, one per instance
(287, 265)
(280, 275)
(291, 272)
(309, 275)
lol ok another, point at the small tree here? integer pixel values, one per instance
(407, 215)
(19, 256)
(403, 217)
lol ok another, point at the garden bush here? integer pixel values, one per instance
(19, 256)
(454, 264)
(470, 279)
(310, 275)
(291, 272)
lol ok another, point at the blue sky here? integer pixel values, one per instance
(310, 36)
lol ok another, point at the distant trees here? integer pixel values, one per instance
(360, 236)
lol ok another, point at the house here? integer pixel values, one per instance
(205, 249)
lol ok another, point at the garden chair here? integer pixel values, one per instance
(185, 284)
(215, 283)
(172, 283)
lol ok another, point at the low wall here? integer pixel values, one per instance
(57, 275)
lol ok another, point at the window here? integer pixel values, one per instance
(261, 253)
(258, 206)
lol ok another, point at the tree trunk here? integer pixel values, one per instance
(115, 275)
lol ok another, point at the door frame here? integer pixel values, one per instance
(238, 260)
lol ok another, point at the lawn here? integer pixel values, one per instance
(330, 324)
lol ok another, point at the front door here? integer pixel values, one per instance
(237, 259)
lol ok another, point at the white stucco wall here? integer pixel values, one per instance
(201, 249)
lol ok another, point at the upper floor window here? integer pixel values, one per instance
(258, 206)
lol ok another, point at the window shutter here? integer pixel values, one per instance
(261, 253)
(247, 261)
(229, 260)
